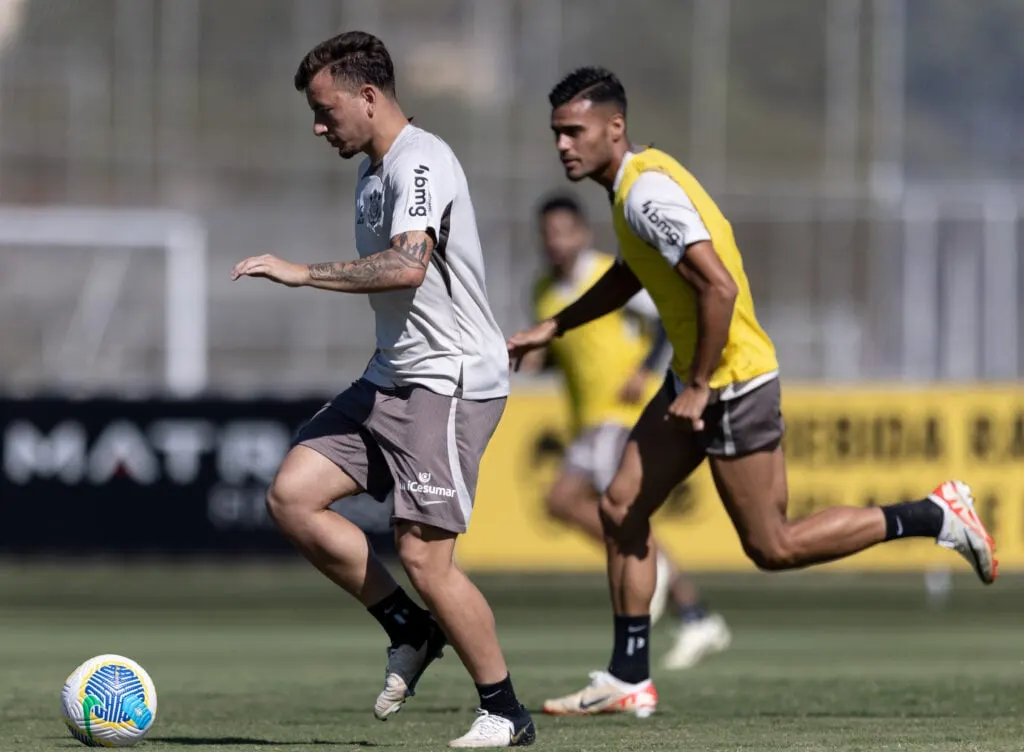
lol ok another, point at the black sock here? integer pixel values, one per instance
(912, 519)
(499, 699)
(404, 621)
(630, 661)
(693, 612)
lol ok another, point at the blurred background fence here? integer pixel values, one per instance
(865, 150)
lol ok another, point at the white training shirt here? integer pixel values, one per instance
(441, 335)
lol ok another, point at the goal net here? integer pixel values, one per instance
(102, 300)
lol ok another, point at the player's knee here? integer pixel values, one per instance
(284, 501)
(413, 555)
(771, 552)
(421, 561)
(620, 524)
(613, 511)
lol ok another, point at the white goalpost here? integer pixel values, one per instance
(180, 237)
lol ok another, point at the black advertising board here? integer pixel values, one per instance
(150, 476)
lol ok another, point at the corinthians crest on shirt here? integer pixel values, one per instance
(370, 204)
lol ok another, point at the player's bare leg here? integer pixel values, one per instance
(657, 457)
(306, 484)
(573, 500)
(427, 553)
(754, 491)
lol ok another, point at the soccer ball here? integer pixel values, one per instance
(109, 701)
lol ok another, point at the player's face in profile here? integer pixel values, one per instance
(584, 135)
(563, 236)
(339, 114)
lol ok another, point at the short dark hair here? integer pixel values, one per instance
(598, 85)
(561, 202)
(354, 58)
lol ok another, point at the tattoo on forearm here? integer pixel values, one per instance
(380, 270)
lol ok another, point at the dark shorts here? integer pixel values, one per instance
(739, 425)
(423, 446)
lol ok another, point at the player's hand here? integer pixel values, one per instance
(633, 390)
(523, 342)
(690, 405)
(272, 268)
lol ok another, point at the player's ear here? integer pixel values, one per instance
(369, 96)
(617, 127)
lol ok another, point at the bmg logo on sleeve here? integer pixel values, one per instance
(421, 192)
(661, 225)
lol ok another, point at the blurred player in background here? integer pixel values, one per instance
(609, 370)
(417, 422)
(720, 401)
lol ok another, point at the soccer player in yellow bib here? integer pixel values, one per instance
(720, 400)
(608, 369)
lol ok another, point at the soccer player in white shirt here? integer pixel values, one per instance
(417, 423)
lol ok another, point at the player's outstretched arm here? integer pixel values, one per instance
(609, 293)
(402, 266)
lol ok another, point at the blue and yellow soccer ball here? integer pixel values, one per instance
(109, 701)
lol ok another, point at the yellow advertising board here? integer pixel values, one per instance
(863, 446)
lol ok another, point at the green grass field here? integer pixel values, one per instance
(261, 658)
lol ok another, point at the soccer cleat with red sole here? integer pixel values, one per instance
(606, 694)
(963, 531)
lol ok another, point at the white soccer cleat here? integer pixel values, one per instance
(406, 665)
(489, 731)
(606, 694)
(697, 639)
(963, 531)
(662, 588)
(396, 690)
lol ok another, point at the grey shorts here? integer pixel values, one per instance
(423, 446)
(596, 454)
(739, 425)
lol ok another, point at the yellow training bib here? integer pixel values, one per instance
(595, 359)
(748, 352)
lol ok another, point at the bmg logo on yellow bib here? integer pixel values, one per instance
(860, 447)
